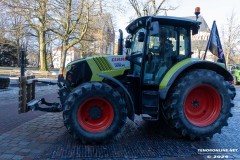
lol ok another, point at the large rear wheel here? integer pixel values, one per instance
(94, 113)
(199, 104)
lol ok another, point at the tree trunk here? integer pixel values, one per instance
(51, 59)
(227, 58)
(18, 54)
(63, 57)
(42, 47)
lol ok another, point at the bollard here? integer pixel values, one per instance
(22, 95)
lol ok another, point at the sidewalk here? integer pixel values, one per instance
(31, 139)
(26, 135)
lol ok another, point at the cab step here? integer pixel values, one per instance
(150, 105)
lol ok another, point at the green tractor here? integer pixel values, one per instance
(235, 71)
(157, 79)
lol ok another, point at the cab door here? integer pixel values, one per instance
(159, 50)
(150, 64)
(165, 46)
(136, 53)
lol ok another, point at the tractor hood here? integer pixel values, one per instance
(88, 69)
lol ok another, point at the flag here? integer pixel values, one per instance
(214, 43)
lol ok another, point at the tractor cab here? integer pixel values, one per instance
(156, 43)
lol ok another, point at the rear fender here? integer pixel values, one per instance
(174, 73)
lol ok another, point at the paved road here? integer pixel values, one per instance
(43, 136)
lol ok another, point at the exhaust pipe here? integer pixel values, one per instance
(120, 43)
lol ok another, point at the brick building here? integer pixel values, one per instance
(200, 40)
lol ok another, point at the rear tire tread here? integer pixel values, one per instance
(169, 109)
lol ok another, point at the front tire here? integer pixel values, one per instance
(94, 113)
(199, 104)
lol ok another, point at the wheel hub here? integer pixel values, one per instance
(95, 112)
(195, 103)
(202, 105)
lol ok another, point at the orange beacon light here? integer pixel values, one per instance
(197, 12)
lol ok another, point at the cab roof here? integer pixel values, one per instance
(166, 20)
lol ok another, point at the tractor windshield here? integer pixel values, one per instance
(165, 47)
(174, 41)
(136, 45)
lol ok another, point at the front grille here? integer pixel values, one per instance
(102, 64)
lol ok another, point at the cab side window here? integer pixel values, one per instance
(184, 40)
(137, 48)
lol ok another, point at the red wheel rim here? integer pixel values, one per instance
(95, 115)
(202, 105)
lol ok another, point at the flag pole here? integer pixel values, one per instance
(210, 37)
(220, 44)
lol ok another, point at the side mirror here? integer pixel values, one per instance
(195, 30)
(128, 43)
(141, 36)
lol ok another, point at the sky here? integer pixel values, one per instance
(211, 10)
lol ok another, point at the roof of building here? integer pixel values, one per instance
(103, 20)
(204, 26)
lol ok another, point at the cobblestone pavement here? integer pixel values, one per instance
(9, 111)
(45, 137)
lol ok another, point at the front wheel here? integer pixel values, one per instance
(199, 104)
(94, 113)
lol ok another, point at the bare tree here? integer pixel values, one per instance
(13, 29)
(70, 22)
(231, 36)
(49, 47)
(99, 40)
(65, 20)
(17, 32)
(35, 12)
(150, 7)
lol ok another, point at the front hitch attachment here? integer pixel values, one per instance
(27, 99)
(35, 105)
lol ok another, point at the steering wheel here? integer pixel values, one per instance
(132, 57)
